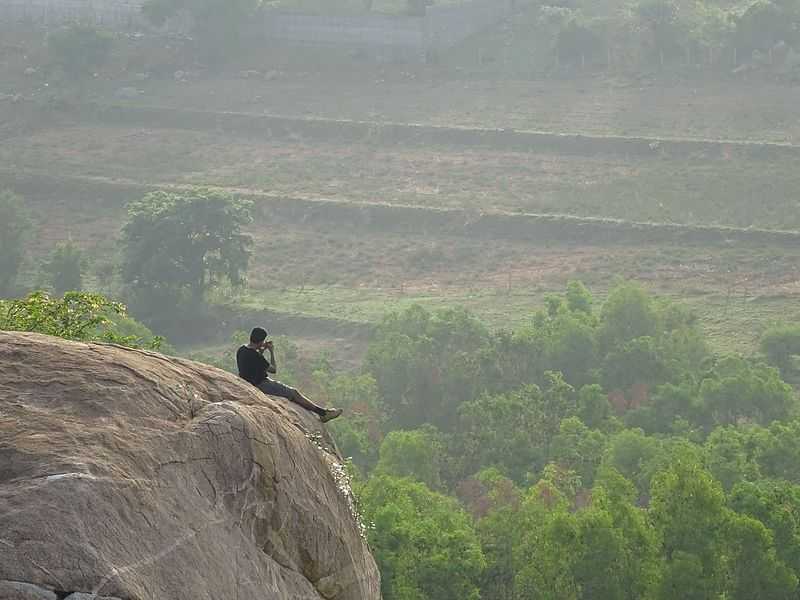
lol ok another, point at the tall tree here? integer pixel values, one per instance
(754, 569)
(424, 543)
(64, 268)
(179, 245)
(688, 511)
(15, 226)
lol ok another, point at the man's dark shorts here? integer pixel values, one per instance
(276, 388)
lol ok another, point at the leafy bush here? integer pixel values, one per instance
(77, 316)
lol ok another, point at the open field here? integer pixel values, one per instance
(734, 110)
(728, 191)
(351, 273)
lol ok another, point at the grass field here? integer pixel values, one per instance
(736, 110)
(694, 190)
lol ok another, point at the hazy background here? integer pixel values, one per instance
(546, 256)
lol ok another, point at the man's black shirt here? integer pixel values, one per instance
(252, 365)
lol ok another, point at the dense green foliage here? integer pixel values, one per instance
(781, 346)
(77, 316)
(657, 32)
(15, 227)
(426, 546)
(601, 452)
(180, 246)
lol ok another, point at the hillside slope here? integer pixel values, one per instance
(132, 475)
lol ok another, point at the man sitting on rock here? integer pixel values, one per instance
(253, 367)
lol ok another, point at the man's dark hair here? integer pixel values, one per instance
(258, 335)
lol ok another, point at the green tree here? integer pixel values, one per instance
(496, 505)
(594, 409)
(665, 32)
(426, 364)
(64, 268)
(425, 544)
(672, 407)
(513, 431)
(764, 23)
(618, 558)
(15, 227)
(781, 345)
(628, 313)
(79, 49)
(731, 456)
(736, 389)
(179, 245)
(777, 450)
(687, 508)
(634, 455)
(684, 576)
(546, 544)
(635, 361)
(776, 504)
(416, 454)
(359, 436)
(77, 316)
(578, 448)
(754, 569)
(578, 298)
(219, 25)
(571, 348)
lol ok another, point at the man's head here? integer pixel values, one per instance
(257, 336)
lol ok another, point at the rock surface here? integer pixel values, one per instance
(131, 475)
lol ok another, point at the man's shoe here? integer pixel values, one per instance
(331, 414)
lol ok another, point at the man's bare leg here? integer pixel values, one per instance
(276, 388)
(298, 398)
(325, 414)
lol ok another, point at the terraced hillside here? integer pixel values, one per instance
(691, 189)
(354, 218)
(737, 109)
(335, 265)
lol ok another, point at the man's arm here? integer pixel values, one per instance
(273, 366)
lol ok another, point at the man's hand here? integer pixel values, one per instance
(269, 346)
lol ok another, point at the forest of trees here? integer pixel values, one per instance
(599, 453)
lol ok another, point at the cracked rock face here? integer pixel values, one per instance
(129, 475)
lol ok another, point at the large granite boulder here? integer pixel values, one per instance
(127, 474)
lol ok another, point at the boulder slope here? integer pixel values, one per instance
(132, 475)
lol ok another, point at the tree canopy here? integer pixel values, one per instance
(178, 246)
